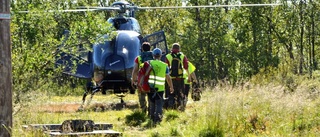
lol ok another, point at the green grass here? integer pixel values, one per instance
(247, 110)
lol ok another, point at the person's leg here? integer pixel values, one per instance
(166, 97)
(186, 93)
(142, 102)
(186, 89)
(151, 108)
(181, 95)
(172, 97)
(158, 108)
(176, 94)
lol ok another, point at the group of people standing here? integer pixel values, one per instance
(170, 79)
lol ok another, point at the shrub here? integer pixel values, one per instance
(136, 118)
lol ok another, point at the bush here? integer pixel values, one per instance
(210, 132)
(171, 115)
(135, 119)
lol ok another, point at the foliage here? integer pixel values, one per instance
(273, 46)
(135, 119)
(171, 115)
(39, 37)
(225, 110)
(210, 132)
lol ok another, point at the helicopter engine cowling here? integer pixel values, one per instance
(113, 61)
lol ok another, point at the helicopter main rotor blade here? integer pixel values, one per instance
(100, 8)
(208, 6)
(128, 7)
(73, 10)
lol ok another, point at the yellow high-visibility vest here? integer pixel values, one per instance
(191, 69)
(157, 77)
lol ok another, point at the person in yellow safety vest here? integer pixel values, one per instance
(176, 61)
(145, 55)
(158, 76)
(188, 82)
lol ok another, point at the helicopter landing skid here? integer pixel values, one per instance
(121, 96)
(85, 95)
(92, 92)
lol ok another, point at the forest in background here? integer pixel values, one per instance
(260, 64)
(230, 44)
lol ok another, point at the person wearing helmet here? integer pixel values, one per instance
(177, 62)
(157, 78)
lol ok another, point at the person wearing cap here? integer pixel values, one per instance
(176, 100)
(144, 56)
(157, 78)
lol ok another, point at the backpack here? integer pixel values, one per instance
(145, 56)
(176, 67)
(143, 78)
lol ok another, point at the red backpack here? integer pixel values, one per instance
(143, 77)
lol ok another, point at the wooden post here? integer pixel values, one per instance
(5, 70)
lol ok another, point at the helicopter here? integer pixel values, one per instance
(109, 65)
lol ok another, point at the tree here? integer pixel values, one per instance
(37, 41)
(231, 43)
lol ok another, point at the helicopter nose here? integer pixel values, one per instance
(115, 62)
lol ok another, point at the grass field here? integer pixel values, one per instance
(246, 110)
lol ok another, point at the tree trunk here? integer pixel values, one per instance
(313, 37)
(5, 70)
(301, 38)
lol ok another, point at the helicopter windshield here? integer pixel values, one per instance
(122, 23)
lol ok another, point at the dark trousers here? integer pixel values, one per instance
(176, 99)
(186, 90)
(155, 101)
(142, 101)
(186, 93)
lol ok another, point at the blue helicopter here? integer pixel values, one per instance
(109, 65)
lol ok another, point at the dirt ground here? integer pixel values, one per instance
(69, 108)
(94, 106)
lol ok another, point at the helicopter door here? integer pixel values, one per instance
(74, 65)
(158, 40)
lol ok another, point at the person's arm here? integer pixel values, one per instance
(135, 72)
(186, 67)
(169, 81)
(167, 61)
(185, 63)
(194, 77)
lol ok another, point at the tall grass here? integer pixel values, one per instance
(247, 109)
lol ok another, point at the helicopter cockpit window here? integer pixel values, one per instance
(135, 25)
(117, 24)
(121, 24)
(125, 24)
